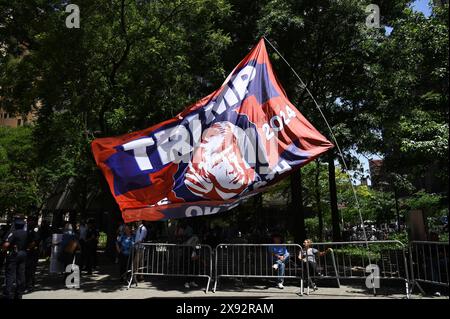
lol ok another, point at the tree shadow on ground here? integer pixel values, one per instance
(259, 285)
(390, 288)
(167, 284)
(105, 279)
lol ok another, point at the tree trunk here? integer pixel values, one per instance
(397, 212)
(297, 207)
(259, 213)
(333, 199)
(318, 200)
(111, 227)
(84, 195)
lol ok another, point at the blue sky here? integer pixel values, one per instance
(422, 6)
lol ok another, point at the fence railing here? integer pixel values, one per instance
(258, 261)
(358, 259)
(178, 260)
(313, 258)
(429, 263)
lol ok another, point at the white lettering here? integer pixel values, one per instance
(140, 151)
(240, 83)
(198, 211)
(187, 309)
(174, 144)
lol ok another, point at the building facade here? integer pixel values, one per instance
(14, 120)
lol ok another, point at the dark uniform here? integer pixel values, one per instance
(15, 262)
(33, 242)
(2, 239)
(91, 247)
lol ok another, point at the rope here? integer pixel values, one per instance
(332, 136)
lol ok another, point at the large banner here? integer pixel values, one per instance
(226, 147)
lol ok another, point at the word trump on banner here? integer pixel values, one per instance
(224, 148)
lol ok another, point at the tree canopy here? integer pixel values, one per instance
(132, 64)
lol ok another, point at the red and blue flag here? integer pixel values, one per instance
(224, 148)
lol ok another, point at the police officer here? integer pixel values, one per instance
(91, 246)
(3, 233)
(33, 242)
(15, 246)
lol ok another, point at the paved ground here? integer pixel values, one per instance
(103, 284)
(151, 291)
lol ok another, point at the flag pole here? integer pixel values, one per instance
(305, 87)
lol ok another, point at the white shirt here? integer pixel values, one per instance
(141, 234)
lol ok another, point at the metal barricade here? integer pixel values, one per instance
(429, 263)
(343, 260)
(177, 260)
(357, 259)
(313, 271)
(256, 261)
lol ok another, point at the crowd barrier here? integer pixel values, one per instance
(256, 261)
(429, 263)
(177, 260)
(314, 265)
(375, 260)
(381, 260)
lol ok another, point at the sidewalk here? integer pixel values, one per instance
(104, 284)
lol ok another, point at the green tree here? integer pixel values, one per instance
(18, 183)
(429, 203)
(409, 97)
(131, 64)
(332, 49)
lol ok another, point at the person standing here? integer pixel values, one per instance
(33, 241)
(91, 246)
(141, 233)
(82, 240)
(179, 232)
(124, 245)
(188, 231)
(140, 236)
(15, 246)
(69, 245)
(120, 231)
(3, 234)
(192, 261)
(308, 255)
(46, 239)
